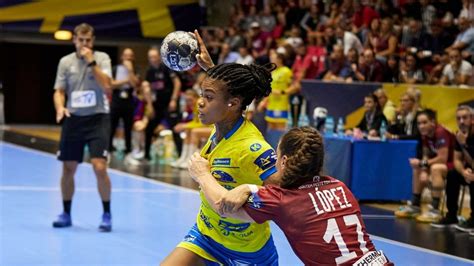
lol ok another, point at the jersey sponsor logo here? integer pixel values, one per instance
(254, 201)
(227, 227)
(266, 160)
(223, 176)
(221, 162)
(374, 258)
(205, 219)
(189, 238)
(255, 147)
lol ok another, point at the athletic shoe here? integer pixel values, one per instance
(63, 220)
(445, 222)
(407, 211)
(137, 154)
(106, 224)
(466, 226)
(430, 216)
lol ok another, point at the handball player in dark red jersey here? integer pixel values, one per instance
(318, 214)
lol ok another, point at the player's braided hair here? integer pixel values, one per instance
(305, 151)
(246, 81)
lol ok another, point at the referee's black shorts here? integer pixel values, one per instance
(79, 131)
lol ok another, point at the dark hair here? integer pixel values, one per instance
(83, 28)
(430, 113)
(376, 101)
(246, 81)
(305, 151)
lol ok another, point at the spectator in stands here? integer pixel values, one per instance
(467, 9)
(411, 72)
(266, 19)
(234, 39)
(392, 70)
(413, 36)
(387, 106)
(373, 117)
(279, 28)
(250, 18)
(462, 173)
(385, 44)
(436, 72)
(348, 40)
(371, 69)
(329, 39)
(335, 16)
(338, 69)
(260, 42)
(428, 14)
(405, 126)
(434, 163)
(362, 18)
(307, 64)
(244, 56)
(434, 43)
(227, 55)
(314, 19)
(465, 39)
(458, 71)
(294, 40)
(294, 13)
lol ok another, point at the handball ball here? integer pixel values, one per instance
(179, 50)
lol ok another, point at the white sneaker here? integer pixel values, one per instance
(138, 154)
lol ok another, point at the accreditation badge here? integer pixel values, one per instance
(124, 94)
(83, 99)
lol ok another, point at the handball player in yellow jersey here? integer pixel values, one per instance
(238, 154)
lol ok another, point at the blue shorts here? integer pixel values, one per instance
(196, 242)
(276, 116)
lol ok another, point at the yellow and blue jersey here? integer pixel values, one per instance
(278, 105)
(241, 157)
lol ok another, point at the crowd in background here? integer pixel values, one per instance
(407, 41)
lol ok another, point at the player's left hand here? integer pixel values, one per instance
(233, 200)
(87, 54)
(198, 166)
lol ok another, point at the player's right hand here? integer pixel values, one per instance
(60, 113)
(203, 58)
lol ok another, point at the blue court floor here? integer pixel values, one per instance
(149, 217)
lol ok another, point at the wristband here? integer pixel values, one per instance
(424, 163)
(253, 188)
(93, 63)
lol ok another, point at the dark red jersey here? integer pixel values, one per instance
(440, 139)
(321, 220)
